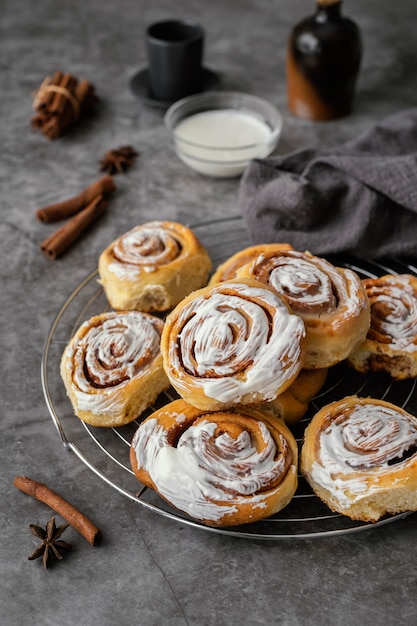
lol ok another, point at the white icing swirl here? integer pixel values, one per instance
(107, 353)
(207, 472)
(313, 287)
(144, 248)
(360, 442)
(393, 301)
(236, 340)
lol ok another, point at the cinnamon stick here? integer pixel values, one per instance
(86, 95)
(60, 101)
(64, 108)
(44, 97)
(38, 120)
(74, 517)
(61, 240)
(67, 208)
(52, 127)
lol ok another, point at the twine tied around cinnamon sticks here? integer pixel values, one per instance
(60, 101)
(82, 209)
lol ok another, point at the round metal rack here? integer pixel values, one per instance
(106, 451)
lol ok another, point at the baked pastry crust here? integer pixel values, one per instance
(153, 266)
(331, 301)
(222, 468)
(292, 404)
(235, 342)
(360, 457)
(391, 342)
(112, 367)
(228, 269)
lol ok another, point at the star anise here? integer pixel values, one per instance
(118, 160)
(50, 542)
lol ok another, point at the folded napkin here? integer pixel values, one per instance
(359, 198)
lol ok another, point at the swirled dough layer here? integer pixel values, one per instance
(391, 342)
(235, 342)
(331, 300)
(222, 468)
(153, 266)
(360, 457)
(112, 367)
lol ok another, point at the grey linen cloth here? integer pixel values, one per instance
(360, 198)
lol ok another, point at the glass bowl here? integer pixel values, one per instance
(217, 133)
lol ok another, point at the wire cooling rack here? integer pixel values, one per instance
(105, 451)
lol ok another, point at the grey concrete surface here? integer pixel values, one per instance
(151, 570)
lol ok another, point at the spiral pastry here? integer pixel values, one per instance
(229, 268)
(153, 266)
(112, 367)
(232, 343)
(332, 301)
(360, 457)
(391, 343)
(221, 468)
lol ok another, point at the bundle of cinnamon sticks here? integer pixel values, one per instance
(82, 210)
(60, 102)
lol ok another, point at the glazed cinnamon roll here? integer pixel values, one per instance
(153, 266)
(236, 342)
(228, 269)
(360, 457)
(391, 343)
(331, 300)
(221, 468)
(112, 367)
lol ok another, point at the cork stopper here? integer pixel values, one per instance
(328, 3)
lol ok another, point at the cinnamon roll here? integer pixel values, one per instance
(360, 457)
(112, 367)
(153, 266)
(228, 269)
(331, 300)
(236, 342)
(391, 343)
(221, 468)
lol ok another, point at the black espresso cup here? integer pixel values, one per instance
(175, 53)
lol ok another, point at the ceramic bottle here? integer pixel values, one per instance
(323, 61)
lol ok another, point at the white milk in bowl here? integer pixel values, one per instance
(221, 142)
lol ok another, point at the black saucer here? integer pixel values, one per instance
(139, 86)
